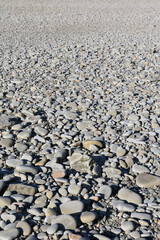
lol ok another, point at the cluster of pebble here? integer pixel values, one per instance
(79, 144)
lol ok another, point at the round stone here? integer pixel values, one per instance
(129, 196)
(71, 207)
(127, 226)
(74, 189)
(87, 217)
(105, 191)
(7, 143)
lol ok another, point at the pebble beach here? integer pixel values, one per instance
(79, 120)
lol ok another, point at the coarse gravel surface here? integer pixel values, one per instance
(79, 119)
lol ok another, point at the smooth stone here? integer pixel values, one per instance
(71, 207)
(24, 135)
(93, 148)
(105, 191)
(112, 172)
(101, 237)
(145, 180)
(66, 220)
(6, 142)
(114, 147)
(80, 162)
(120, 152)
(41, 131)
(87, 217)
(4, 121)
(36, 212)
(10, 225)
(156, 151)
(26, 228)
(21, 147)
(33, 237)
(86, 144)
(83, 125)
(27, 169)
(9, 234)
(8, 217)
(136, 168)
(52, 229)
(141, 215)
(5, 201)
(127, 226)
(74, 189)
(122, 206)
(55, 166)
(22, 189)
(129, 196)
(14, 162)
(70, 115)
(135, 234)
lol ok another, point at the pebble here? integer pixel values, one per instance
(52, 229)
(41, 131)
(71, 207)
(87, 217)
(136, 168)
(26, 228)
(105, 191)
(127, 226)
(145, 180)
(5, 201)
(7, 143)
(22, 189)
(122, 206)
(142, 216)
(80, 162)
(66, 220)
(9, 234)
(129, 196)
(27, 169)
(74, 189)
(87, 144)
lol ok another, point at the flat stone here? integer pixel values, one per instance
(36, 212)
(59, 174)
(9, 234)
(120, 152)
(122, 206)
(141, 215)
(5, 201)
(105, 191)
(84, 125)
(4, 121)
(129, 196)
(87, 217)
(24, 135)
(14, 162)
(66, 220)
(21, 147)
(156, 151)
(27, 169)
(70, 115)
(71, 207)
(147, 180)
(112, 172)
(86, 144)
(73, 236)
(80, 162)
(137, 168)
(41, 131)
(8, 217)
(127, 226)
(22, 189)
(6, 142)
(101, 237)
(26, 228)
(74, 189)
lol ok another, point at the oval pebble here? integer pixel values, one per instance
(87, 217)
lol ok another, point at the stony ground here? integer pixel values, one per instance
(79, 120)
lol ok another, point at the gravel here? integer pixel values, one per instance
(79, 119)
